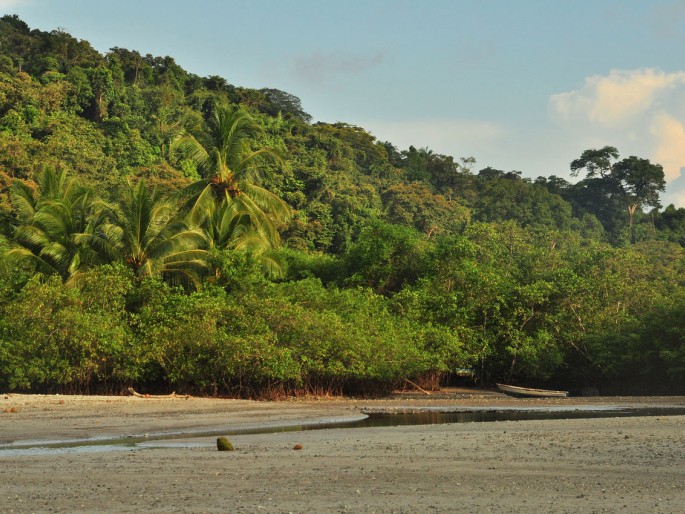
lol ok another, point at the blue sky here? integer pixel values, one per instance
(518, 84)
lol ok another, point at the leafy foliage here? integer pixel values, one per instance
(170, 231)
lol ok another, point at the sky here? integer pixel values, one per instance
(523, 85)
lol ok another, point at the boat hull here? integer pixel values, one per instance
(527, 392)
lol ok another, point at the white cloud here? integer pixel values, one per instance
(641, 112)
(669, 143)
(619, 98)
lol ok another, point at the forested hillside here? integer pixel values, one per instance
(175, 232)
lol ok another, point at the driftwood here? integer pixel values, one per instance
(172, 395)
(417, 387)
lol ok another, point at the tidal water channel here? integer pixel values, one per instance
(372, 418)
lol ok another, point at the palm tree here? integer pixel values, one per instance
(227, 227)
(59, 230)
(231, 176)
(152, 240)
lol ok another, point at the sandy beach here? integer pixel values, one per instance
(626, 464)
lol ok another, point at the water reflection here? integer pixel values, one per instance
(370, 420)
(481, 416)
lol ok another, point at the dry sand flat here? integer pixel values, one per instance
(584, 465)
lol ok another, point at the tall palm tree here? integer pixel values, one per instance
(59, 230)
(152, 240)
(232, 175)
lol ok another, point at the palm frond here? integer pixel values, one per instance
(23, 200)
(59, 254)
(248, 169)
(31, 236)
(23, 256)
(272, 264)
(175, 238)
(268, 202)
(193, 150)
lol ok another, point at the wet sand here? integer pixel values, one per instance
(634, 464)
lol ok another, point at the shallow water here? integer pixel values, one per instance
(433, 417)
(373, 419)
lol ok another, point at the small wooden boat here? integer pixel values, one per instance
(528, 392)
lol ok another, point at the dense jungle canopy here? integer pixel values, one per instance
(174, 232)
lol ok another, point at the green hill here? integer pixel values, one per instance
(165, 230)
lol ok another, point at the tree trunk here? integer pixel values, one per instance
(631, 213)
